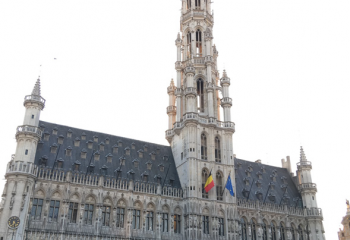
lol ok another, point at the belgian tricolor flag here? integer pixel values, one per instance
(209, 183)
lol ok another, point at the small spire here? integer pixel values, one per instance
(172, 82)
(178, 37)
(36, 91)
(302, 155)
(224, 74)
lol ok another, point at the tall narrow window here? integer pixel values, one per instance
(73, 212)
(106, 214)
(205, 176)
(149, 221)
(200, 95)
(37, 208)
(282, 232)
(189, 41)
(273, 231)
(217, 150)
(301, 233)
(136, 219)
(204, 155)
(293, 232)
(244, 229)
(219, 186)
(199, 42)
(177, 223)
(198, 4)
(189, 4)
(165, 222)
(253, 229)
(221, 227)
(54, 208)
(88, 213)
(120, 217)
(264, 228)
(205, 223)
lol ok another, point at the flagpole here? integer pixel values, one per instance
(166, 176)
(267, 192)
(225, 184)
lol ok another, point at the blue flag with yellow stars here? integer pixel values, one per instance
(229, 186)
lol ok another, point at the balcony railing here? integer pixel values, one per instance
(306, 186)
(21, 167)
(314, 212)
(33, 98)
(171, 109)
(26, 129)
(226, 101)
(304, 164)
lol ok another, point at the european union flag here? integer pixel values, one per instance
(229, 186)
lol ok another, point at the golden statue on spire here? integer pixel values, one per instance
(348, 204)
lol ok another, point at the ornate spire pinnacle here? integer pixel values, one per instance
(302, 155)
(36, 91)
(224, 74)
(172, 82)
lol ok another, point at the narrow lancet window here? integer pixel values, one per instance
(198, 4)
(199, 43)
(188, 48)
(200, 95)
(204, 155)
(219, 186)
(189, 4)
(217, 150)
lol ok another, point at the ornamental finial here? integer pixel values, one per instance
(36, 91)
(302, 155)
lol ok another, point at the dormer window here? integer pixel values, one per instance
(136, 163)
(263, 169)
(120, 143)
(76, 165)
(259, 174)
(95, 139)
(286, 200)
(145, 148)
(60, 163)
(69, 151)
(60, 139)
(144, 177)
(109, 158)
(272, 186)
(104, 170)
(46, 136)
(159, 179)
(246, 181)
(102, 146)
(239, 165)
(153, 155)
(149, 165)
(115, 149)
(250, 168)
(158, 151)
(77, 142)
(131, 173)
(259, 195)
(284, 187)
(122, 161)
(171, 182)
(272, 197)
(133, 146)
(97, 156)
(247, 172)
(90, 144)
(69, 133)
(245, 192)
(107, 141)
(258, 183)
(54, 148)
(55, 131)
(161, 167)
(91, 168)
(83, 136)
(273, 178)
(83, 153)
(284, 179)
(43, 160)
(140, 153)
(127, 151)
(165, 158)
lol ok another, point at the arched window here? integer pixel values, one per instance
(264, 228)
(198, 4)
(200, 95)
(283, 237)
(273, 231)
(301, 232)
(204, 155)
(205, 175)
(253, 229)
(219, 186)
(188, 42)
(217, 150)
(199, 43)
(189, 4)
(244, 229)
(293, 232)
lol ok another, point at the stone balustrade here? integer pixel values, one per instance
(171, 109)
(197, 13)
(34, 98)
(26, 129)
(304, 165)
(226, 101)
(307, 186)
(314, 212)
(16, 167)
(191, 91)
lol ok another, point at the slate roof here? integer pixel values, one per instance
(247, 173)
(162, 154)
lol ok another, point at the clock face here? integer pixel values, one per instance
(13, 222)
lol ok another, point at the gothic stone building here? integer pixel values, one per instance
(345, 233)
(68, 183)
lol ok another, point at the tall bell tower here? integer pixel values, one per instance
(200, 142)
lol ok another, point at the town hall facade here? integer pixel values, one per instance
(68, 183)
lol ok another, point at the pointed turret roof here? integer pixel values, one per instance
(302, 155)
(36, 91)
(224, 74)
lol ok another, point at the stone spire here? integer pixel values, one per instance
(224, 74)
(302, 155)
(36, 91)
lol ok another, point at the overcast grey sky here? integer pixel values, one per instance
(288, 62)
